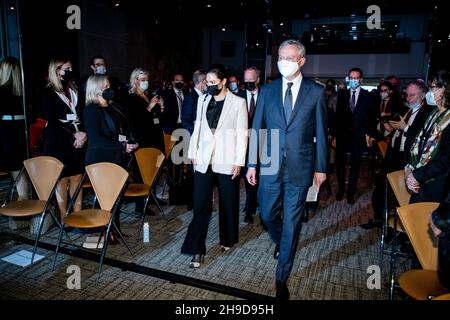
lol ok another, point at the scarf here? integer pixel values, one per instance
(427, 142)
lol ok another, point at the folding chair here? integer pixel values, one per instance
(44, 173)
(108, 181)
(421, 284)
(149, 161)
(397, 182)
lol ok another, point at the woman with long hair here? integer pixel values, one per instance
(64, 135)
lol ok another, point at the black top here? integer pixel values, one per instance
(12, 132)
(103, 127)
(58, 136)
(145, 127)
(213, 112)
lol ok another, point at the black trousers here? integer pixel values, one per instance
(355, 161)
(195, 241)
(251, 199)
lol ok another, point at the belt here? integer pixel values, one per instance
(13, 117)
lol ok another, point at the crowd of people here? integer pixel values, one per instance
(319, 127)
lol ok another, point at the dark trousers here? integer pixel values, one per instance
(251, 199)
(355, 161)
(285, 230)
(195, 241)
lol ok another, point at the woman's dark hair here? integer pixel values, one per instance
(442, 80)
(219, 70)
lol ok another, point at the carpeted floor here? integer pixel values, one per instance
(333, 256)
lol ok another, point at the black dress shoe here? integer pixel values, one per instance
(197, 260)
(339, 195)
(248, 218)
(371, 224)
(282, 293)
(276, 252)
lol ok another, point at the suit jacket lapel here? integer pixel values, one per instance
(304, 89)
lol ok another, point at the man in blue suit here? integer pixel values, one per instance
(289, 141)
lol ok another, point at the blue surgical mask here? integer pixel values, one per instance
(233, 86)
(413, 105)
(353, 84)
(100, 70)
(430, 99)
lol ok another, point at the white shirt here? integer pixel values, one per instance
(297, 82)
(249, 98)
(180, 97)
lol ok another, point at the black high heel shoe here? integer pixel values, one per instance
(197, 260)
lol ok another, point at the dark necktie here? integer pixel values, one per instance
(252, 105)
(353, 102)
(288, 102)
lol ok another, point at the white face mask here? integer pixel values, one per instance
(384, 95)
(288, 68)
(430, 99)
(143, 85)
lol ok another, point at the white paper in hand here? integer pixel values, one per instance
(313, 193)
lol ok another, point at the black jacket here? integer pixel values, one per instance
(103, 126)
(350, 128)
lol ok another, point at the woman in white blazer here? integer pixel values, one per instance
(217, 149)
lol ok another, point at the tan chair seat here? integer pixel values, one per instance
(137, 190)
(421, 284)
(24, 208)
(400, 227)
(91, 218)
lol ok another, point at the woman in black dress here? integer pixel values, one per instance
(12, 123)
(64, 136)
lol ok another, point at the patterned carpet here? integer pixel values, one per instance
(333, 256)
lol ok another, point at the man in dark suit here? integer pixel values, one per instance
(290, 125)
(250, 94)
(351, 125)
(173, 101)
(189, 107)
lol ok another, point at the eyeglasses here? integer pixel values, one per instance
(290, 59)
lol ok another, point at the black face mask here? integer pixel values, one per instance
(179, 85)
(213, 90)
(68, 75)
(108, 94)
(250, 86)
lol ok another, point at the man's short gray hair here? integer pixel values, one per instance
(301, 48)
(253, 68)
(199, 76)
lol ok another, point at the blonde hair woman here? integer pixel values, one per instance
(64, 136)
(145, 111)
(12, 123)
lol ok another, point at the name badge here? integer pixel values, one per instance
(71, 117)
(122, 138)
(156, 120)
